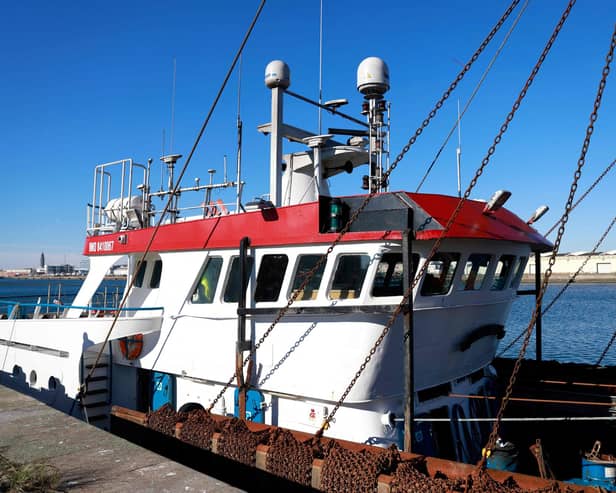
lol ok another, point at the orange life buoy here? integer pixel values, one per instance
(131, 346)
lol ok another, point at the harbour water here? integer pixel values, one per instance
(55, 292)
(575, 329)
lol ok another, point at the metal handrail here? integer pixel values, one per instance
(97, 308)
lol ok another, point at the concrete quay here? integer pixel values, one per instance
(89, 459)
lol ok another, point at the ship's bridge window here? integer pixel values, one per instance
(206, 287)
(389, 277)
(349, 277)
(439, 274)
(270, 277)
(140, 274)
(501, 273)
(475, 271)
(232, 291)
(156, 272)
(305, 264)
(519, 272)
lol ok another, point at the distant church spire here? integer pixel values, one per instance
(42, 259)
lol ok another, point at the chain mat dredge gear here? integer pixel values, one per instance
(328, 464)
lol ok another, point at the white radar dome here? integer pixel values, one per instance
(277, 74)
(372, 77)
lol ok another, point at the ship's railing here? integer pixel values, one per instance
(118, 202)
(122, 199)
(14, 309)
(200, 211)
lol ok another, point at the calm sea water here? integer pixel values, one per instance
(30, 290)
(576, 329)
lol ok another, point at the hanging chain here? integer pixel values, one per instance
(288, 353)
(450, 222)
(577, 272)
(566, 286)
(472, 96)
(607, 348)
(371, 195)
(561, 230)
(583, 196)
(451, 88)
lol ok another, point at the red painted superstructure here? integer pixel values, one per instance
(299, 225)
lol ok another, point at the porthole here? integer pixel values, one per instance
(191, 406)
(33, 377)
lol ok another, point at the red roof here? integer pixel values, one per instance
(473, 223)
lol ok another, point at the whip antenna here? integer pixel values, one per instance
(320, 62)
(459, 151)
(172, 110)
(238, 179)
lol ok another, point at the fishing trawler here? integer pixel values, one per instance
(206, 285)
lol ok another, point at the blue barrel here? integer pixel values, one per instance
(599, 472)
(255, 410)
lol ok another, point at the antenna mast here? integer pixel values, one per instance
(459, 151)
(172, 110)
(238, 180)
(320, 62)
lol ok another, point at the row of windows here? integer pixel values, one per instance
(441, 270)
(350, 273)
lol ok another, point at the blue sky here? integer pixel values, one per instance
(90, 82)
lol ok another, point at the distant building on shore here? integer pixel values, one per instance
(569, 263)
(16, 272)
(59, 270)
(119, 270)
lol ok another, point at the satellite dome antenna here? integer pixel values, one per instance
(373, 78)
(373, 83)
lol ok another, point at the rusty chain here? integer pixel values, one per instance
(238, 443)
(289, 458)
(451, 220)
(198, 429)
(357, 471)
(342, 469)
(583, 196)
(607, 348)
(371, 195)
(565, 287)
(288, 353)
(450, 89)
(561, 230)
